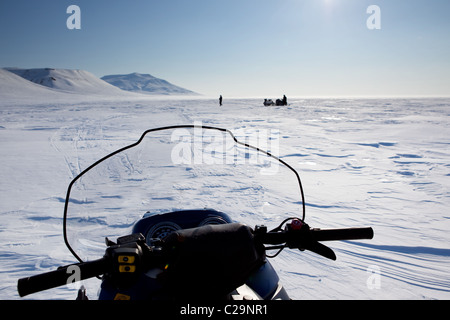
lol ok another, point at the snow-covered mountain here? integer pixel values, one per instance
(15, 88)
(145, 83)
(69, 81)
(48, 84)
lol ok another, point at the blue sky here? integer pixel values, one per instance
(263, 48)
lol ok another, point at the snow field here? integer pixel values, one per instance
(363, 162)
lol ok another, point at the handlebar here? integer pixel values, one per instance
(298, 235)
(131, 254)
(53, 279)
(342, 234)
(321, 235)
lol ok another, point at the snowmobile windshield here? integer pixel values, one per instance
(180, 168)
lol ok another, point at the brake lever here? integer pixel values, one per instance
(322, 250)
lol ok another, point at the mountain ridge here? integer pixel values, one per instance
(67, 80)
(145, 84)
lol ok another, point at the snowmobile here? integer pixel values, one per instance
(180, 254)
(278, 102)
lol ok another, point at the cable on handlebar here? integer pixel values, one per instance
(279, 247)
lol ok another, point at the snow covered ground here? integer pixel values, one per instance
(363, 162)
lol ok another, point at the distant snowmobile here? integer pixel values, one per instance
(278, 102)
(174, 255)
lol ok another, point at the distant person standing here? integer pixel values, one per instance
(220, 100)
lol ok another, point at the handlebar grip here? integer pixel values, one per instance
(342, 234)
(60, 277)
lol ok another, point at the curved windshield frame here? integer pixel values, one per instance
(138, 142)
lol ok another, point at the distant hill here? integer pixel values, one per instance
(14, 87)
(42, 85)
(145, 83)
(69, 81)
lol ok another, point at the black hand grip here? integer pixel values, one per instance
(60, 277)
(342, 234)
(320, 235)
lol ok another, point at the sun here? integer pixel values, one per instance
(329, 3)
